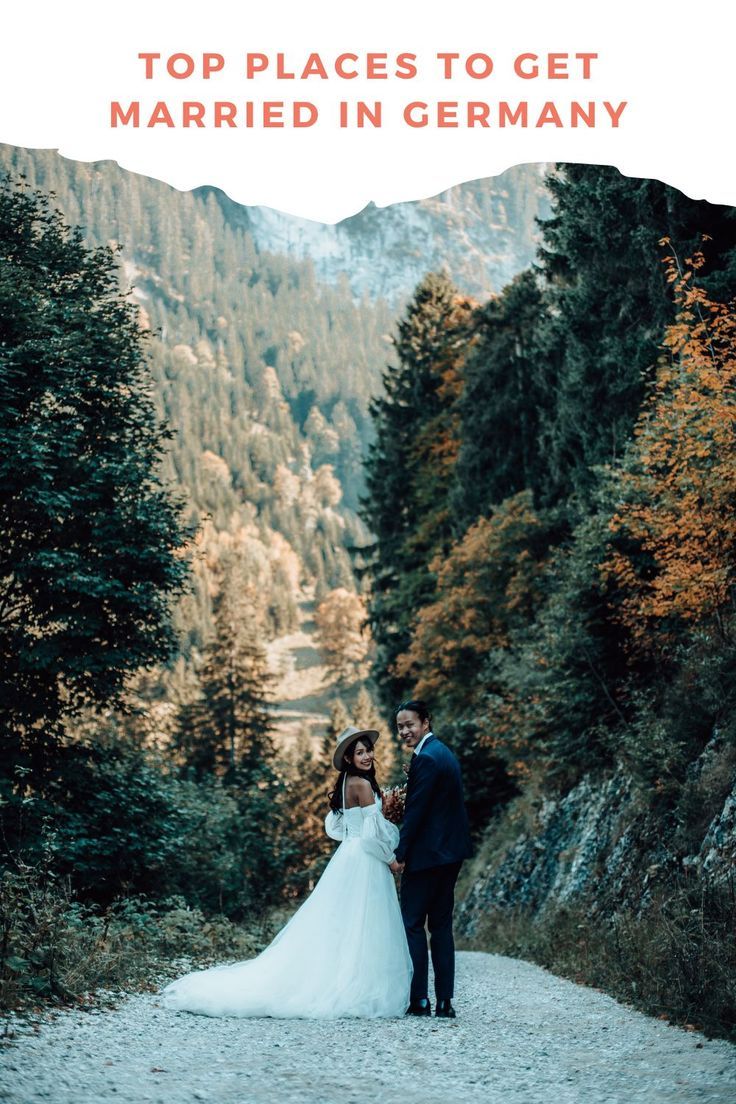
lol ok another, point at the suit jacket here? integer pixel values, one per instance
(435, 829)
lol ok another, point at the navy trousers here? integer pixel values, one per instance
(428, 898)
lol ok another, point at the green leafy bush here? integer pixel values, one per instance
(56, 949)
(117, 822)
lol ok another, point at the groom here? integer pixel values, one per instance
(434, 841)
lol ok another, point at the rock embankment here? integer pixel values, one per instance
(604, 845)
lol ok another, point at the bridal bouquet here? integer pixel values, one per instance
(393, 803)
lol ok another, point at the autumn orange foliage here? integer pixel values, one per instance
(486, 581)
(675, 531)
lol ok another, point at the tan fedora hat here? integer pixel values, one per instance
(346, 738)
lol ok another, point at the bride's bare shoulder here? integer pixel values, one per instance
(358, 792)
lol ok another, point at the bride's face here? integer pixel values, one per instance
(363, 756)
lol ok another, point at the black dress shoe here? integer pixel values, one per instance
(445, 1010)
(420, 1007)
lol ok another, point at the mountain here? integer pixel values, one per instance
(268, 337)
(482, 233)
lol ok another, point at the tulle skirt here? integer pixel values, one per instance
(343, 953)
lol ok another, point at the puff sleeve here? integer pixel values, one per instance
(334, 825)
(379, 837)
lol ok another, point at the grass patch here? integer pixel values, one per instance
(55, 950)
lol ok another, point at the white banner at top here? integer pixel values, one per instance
(317, 108)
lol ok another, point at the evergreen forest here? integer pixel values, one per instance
(519, 509)
(551, 491)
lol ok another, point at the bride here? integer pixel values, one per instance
(344, 951)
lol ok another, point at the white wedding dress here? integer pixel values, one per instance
(343, 952)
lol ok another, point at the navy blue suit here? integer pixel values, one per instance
(433, 843)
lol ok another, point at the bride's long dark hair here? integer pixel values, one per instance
(351, 771)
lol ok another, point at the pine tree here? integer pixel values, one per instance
(502, 403)
(227, 732)
(91, 539)
(309, 779)
(233, 722)
(609, 304)
(408, 466)
(339, 720)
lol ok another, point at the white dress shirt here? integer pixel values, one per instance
(421, 743)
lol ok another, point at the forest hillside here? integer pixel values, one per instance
(559, 582)
(249, 500)
(185, 414)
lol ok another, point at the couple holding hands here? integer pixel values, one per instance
(350, 949)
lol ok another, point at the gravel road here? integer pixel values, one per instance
(522, 1036)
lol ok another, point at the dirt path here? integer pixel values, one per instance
(522, 1037)
(302, 688)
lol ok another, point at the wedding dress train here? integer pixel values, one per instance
(343, 952)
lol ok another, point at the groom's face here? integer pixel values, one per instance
(411, 730)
